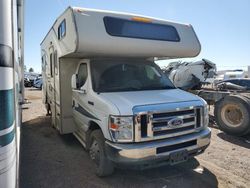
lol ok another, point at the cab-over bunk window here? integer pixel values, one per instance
(141, 30)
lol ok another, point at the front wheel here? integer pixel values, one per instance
(103, 165)
(232, 115)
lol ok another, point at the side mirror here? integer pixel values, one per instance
(74, 81)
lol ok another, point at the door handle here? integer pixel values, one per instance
(91, 103)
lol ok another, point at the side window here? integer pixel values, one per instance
(56, 63)
(62, 30)
(245, 83)
(51, 64)
(82, 75)
(43, 63)
(234, 82)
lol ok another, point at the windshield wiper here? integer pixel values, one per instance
(117, 89)
(158, 87)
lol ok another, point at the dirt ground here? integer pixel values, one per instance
(49, 159)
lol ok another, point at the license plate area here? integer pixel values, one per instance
(178, 157)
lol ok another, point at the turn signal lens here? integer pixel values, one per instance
(114, 126)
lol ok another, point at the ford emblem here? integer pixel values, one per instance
(176, 122)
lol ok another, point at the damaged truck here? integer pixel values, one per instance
(231, 101)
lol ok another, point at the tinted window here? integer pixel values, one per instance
(233, 81)
(82, 75)
(245, 83)
(62, 30)
(134, 29)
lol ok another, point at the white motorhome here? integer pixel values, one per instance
(11, 89)
(102, 85)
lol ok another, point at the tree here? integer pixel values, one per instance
(31, 70)
(25, 68)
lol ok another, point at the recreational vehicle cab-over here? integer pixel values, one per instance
(102, 85)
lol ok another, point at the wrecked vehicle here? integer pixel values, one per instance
(231, 100)
(190, 75)
(234, 84)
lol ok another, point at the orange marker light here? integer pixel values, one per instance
(140, 19)
(114, 126)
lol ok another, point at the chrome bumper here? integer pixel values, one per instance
(156, 151)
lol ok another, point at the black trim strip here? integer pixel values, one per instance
(7, 139)
(6, 109)
(6, 56)
(84, 112)
(176, 146)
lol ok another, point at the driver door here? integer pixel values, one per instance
(80, 100)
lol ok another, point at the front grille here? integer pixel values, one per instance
(160, 122)
(158, 125)
(171, 131)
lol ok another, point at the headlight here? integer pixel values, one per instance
(121, 128)
(206, 116)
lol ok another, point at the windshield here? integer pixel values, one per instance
(130, 75)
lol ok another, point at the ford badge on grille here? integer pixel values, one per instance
(176, 122)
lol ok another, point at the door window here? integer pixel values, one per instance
(82, 75)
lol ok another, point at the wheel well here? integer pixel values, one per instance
(92, 126)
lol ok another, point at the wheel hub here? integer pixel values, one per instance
(94, 152)
(232, 115)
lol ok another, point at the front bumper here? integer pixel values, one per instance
(147, 153)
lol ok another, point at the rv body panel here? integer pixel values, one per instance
(11, 93)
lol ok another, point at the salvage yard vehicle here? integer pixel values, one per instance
(231, 98)
(38, 82)
(243, 83)
(190, 75)
(231, 108)
(11, 89)
(101, 84)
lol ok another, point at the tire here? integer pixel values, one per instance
(232, 115)
(103, 166)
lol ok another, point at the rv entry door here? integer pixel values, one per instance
(54, 87)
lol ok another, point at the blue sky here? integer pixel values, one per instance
(222, 26)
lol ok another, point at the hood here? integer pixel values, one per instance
(125, 101)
